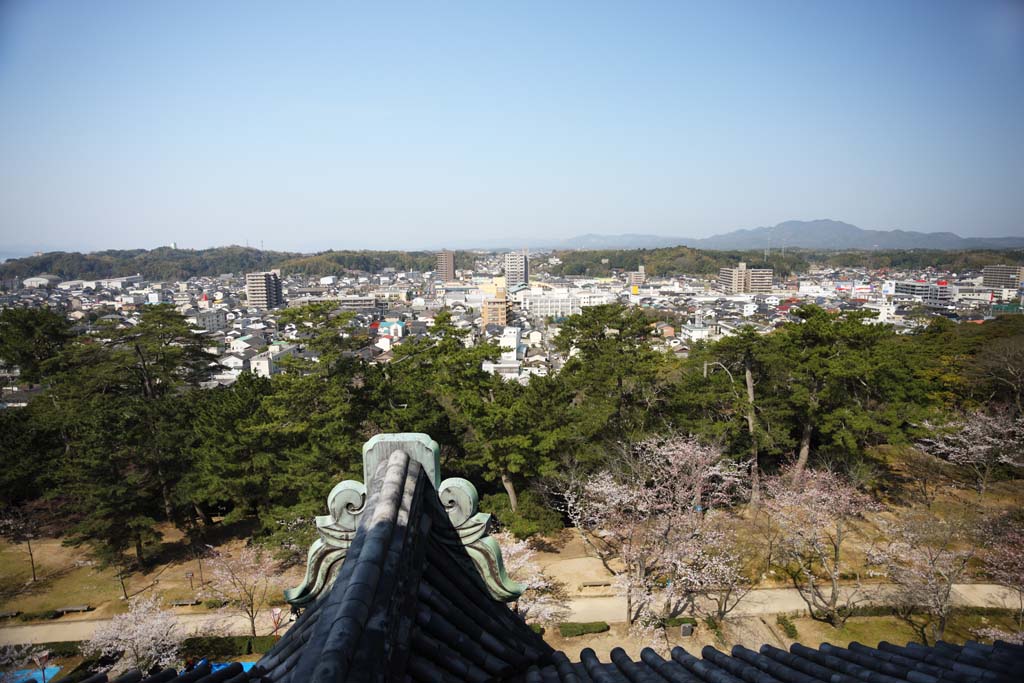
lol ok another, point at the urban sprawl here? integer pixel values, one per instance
(508, 299)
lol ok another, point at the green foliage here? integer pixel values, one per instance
(62, 648)
(615, 380)
(369, 261)
(537, 628)
(45, 615)
(121, 404)
(675, 622)
(788, 627)
(533, 515)
(162, 263)
(212, 647)
(674, 260)
(29, 337)
(165, 263)
(671, 260)
(571, 629)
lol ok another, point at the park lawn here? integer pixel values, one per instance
(864, 630)
(67, 577)
(872, 630)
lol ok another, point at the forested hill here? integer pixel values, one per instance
(162, 263)
(165, 263)
(677, 260)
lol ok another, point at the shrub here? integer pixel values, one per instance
(715, 628)
(674, 622)
(226, 646)
(62, 648)
(214, 603)
(571, 629)
(787, 626)
(537, 628)
(532, 517)
(39, 616)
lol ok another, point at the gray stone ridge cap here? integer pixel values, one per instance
(407, 587)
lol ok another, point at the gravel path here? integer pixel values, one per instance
(610, 609)
(775, 600)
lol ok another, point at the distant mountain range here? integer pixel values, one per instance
(817, 234)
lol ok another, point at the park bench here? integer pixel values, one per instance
(9, 614)
(185, 603)
(74, 608)
(595, 584)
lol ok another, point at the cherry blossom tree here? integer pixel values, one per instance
(242, 580)
(714, 574)
(1004, 556)
(817, 512)
(647, 520)
(981, 442)
(146, 636)
(544, 600)
(994, 634)
(925, 557)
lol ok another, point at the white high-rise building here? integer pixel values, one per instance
(517, 268)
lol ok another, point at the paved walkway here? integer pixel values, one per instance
(775, 600)
(610, 609)
(82, 629)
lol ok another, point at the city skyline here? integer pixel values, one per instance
(431, 126)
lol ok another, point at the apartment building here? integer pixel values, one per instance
(263, 290)
(743, 280)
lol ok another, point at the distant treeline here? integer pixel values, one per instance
(165, 263)
(680, 260)
(369, 261)
(672, 261)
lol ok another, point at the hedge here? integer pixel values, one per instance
(571, 629)
(39, 616)
(673, 622)
(226, 646)
(787, 625)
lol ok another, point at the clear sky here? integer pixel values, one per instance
(304, 125)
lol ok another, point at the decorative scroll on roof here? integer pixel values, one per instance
(347, 501)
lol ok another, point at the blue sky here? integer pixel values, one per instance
(304, 125)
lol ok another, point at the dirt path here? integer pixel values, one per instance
(610, 609)
(775, 600)
(82, 629)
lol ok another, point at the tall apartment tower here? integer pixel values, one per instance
(743, 280)
(1002, 277)
(263, 290)
(446, 266)
(517, 268)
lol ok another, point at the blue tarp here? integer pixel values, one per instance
(26, 675)
(220, 665)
